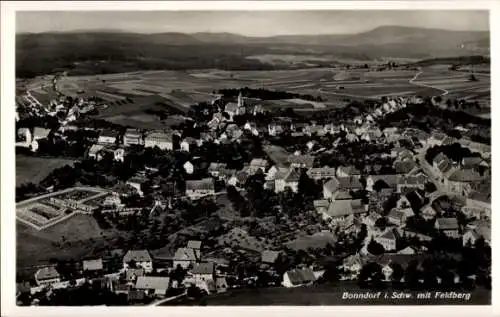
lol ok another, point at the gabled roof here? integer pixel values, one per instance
(301, 276)
(137, 256)
(472, 161)
(404, 167)
(439, 136)
(332, 185)
(447, 223)
(321, 203)
(231, 107)
(92, 265)
(389, 234)
(204, 268)
(293, 176)
(307, 160)
(349, 170)
(46, 273)
(438, 158)
(389, 179)
(41, 132)
(95, 148)
(396, 214)
(412, 180)
(323, 172)
(465, 175)
(162, 136)
(257, 162)
(194, 244)
(342, 195)
(484, 197)
(349, 183)
(269, 256)
(152, 282)
(185, 254)
(134, 272)
(202, 184)
(340, 208)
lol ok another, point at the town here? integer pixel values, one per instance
(205, 169)
(245, 203)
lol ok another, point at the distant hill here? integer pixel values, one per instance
(458, 60)
(104, 51)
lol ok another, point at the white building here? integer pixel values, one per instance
(141, 258)
(160, 139)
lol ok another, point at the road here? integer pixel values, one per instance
(421, 84)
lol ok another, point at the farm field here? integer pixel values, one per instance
(35, 169)
(73, 238)
(129, 94)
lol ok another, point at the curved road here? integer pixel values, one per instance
(412, 81)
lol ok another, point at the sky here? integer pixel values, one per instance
(250, 23)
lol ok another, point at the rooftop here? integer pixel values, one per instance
(92, 265)
(269, 256)
(137, 256)
(202, 184)
(152, 282)
(340, 208)
(204, 268)
(447, 223)
(47, 273)
(301, 276)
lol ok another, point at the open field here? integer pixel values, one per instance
(34, 169)
(73, 238)
(130, 94)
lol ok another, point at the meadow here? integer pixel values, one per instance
(31, 169)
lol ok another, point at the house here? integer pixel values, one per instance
(338, 210)
(25, 135)
(93, 265)
(119, 154)
(185, 257)
(397, 217)
(448, 226)
(480, 201)
(388, 239)
(288, 179)
(203, 272)
(436, 138)
(273, 171)
(404, 167)
(40, 133)
(348, 171)
(132, 137)
(474, 161)
(469, 238)
(298, 277)
(188, 167)
(188, 144)
(409, 183)
(157, 285)
(221, 285)
(195, 245)
(321, 205)
(137, 182)
(196, 189)
(275, 129)
(350, 183)
(47, 275)
(162, 140)
(141, 258)
(257, 164)
(370, 219)
(107, 137)
(96, 152)
(321, 173)
(239, 178)
(330, 187)
(459, 180)
(300, 161)
(389, 181)
(216, 169)
(269, 257)
(407, 251)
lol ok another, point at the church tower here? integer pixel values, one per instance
(240, 100)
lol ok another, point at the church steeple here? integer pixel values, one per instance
(240, 100)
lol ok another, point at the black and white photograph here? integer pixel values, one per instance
(251, 157)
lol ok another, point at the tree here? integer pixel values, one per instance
(381, 223)
(370, 274)
(397, 272)
(375, 248)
